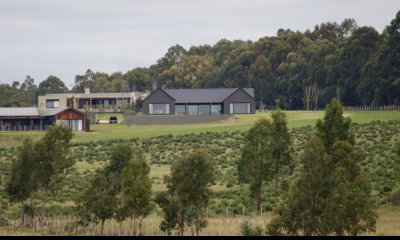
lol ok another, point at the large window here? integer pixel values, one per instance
(216, 109)
(52, 103)
(198, 109)
(192, 109)
(204, 109)
(180, 110)
(159, 108)
(239, 108)
(74, 124)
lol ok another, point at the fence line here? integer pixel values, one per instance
(362, 108)
(372, 108)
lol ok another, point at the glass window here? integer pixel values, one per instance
(74, 124)
(52, 103)
(216, 109)
(180, 110)
(25, 122)
(204, 109)
(240, 108)
(159, 108)
(192, 109)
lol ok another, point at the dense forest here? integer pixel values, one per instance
(295, 70)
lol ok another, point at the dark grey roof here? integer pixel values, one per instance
(205, 95)
(104, 95)
(93, 95)
(19, 112)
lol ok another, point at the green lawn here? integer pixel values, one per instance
(238, 122)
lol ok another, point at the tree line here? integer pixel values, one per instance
(294, 70)
(329, 193)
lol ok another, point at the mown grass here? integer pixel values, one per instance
(376, 139)
(236, 123)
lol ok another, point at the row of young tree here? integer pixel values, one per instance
(38, 169)
(329, 194)
(296, 70)
(122, 190)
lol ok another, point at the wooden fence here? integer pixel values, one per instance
(372, 108)
(362, 108)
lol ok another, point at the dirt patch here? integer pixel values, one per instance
(232, 119)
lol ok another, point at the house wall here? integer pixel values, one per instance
(239, 96)
(20, 124)
(158, 96)
(36, 123)
(132, 119)
(72, 115)
(42, 100)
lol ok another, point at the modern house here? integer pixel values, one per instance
(32, 119)
(212, 101)
(90, 101)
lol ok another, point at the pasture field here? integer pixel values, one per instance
(236, 123)
(377, 135)
(388, 224)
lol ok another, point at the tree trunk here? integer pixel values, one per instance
(32, 212)
(315, 95)
(102, 227)
(276, 189)
(182, 226)
(339, 233)
(43, 214)
(22, 214)
(259, 196)
(139, 231)
(131, 227)
(307, 96)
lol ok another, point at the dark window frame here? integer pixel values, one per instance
(248, 111)
(48, 101)
(167, 109)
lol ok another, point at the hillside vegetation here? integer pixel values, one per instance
(100, 132)
(296, 70)
(376, 139)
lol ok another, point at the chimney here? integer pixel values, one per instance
(87, 90)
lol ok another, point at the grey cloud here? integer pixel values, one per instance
(66, 37)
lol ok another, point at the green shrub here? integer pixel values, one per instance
(246, 229)
(395, 197)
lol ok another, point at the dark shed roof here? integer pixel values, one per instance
(207, 95)
(32, 112)
(19, 112)
(46, 113)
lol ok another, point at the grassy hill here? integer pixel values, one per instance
(164, 144)
(236, 123)
(377, 135)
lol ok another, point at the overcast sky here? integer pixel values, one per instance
(66, 37)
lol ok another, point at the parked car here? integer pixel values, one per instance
(113, 119)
